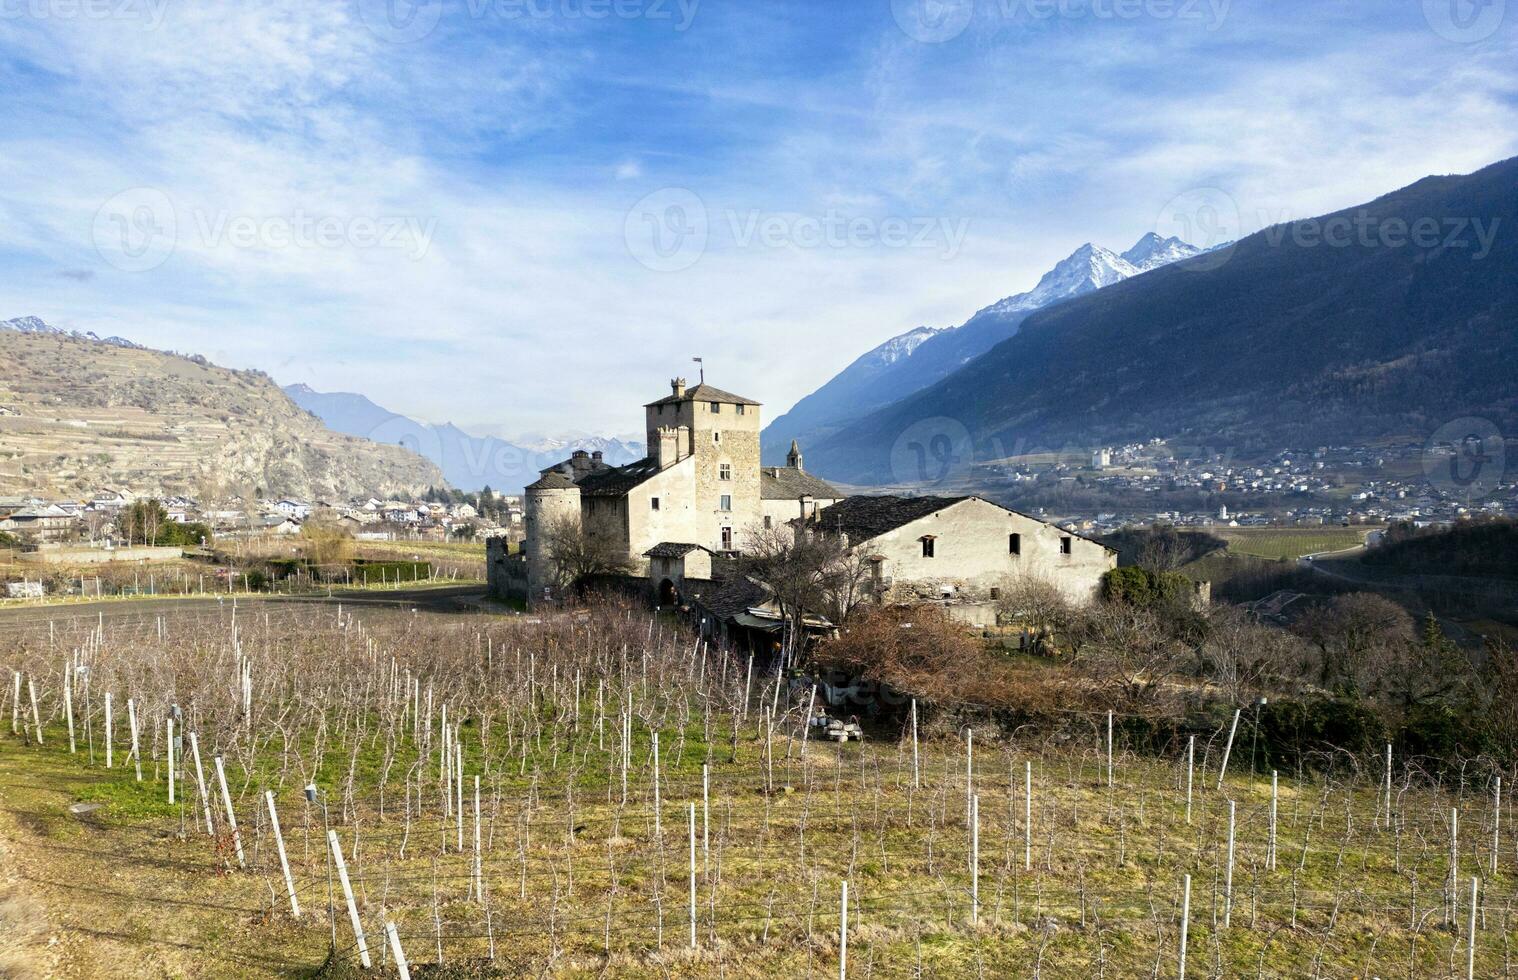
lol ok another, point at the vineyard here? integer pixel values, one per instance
(277, 791)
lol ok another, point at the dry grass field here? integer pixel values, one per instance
(525, 796)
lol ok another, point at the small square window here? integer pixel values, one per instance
(653, 503)
(716, 408)
(1064, 545)
(740, 409)
(724, 471)
(727, 502)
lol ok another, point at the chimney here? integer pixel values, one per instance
(666, 453)
(677, 385)
(596, 456)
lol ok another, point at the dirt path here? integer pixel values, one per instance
(93, 895)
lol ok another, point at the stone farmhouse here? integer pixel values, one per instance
(680, 516)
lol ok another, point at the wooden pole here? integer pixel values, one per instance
(1228, 749)
(200, 781)
(226, 799)
(342, 876)
(284, 861)
(402, 969)
(1185, 923)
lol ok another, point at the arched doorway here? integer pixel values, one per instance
(668, 594)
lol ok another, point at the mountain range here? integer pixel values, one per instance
(467, 462)
(1382, 321)
(36, 325)
(80, 414)
(922, 356)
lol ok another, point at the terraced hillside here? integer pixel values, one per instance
(77, 415)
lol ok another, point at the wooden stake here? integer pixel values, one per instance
(226, 799)
(342, 876)
(284, 861)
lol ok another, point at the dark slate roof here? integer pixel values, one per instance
(670, 549)
(733, 595)
(615, 481)
(789, 483)
(705, 393)
(552, 480)
(862, 518)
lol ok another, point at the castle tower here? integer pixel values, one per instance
(551, 499)
(721, 431)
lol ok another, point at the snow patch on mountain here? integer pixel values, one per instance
(1152, 251)
(36, 325)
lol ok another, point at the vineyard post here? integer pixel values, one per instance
(108, 752)
(706, 814)
(1228, 873)
(226, 799)
(1109, 748)
(31, 690)
(16, 705)
(658, 825)
(200, 780)
(1496, 818)
(1454, 863)
(1185, 923)
(1470, 934)
(1028, 817)
(402, 969)
(284, 861)
(458, 781)
(479, 867)
(1190, 774)
(1270, 852)
(974, 860)
(136, 745)
(342, 877)
(843, 932)
(916, 773)
(1228, 749)
(168, 724)
(1388, 785)
(692, 828)
(68, 703)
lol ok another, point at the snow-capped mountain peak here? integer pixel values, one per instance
(902, 345)
(36, 325)
(1088, 268)
(1152, 251)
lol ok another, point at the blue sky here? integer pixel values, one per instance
(526, 215)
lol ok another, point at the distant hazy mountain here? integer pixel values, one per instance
(83, 414)
(920, 357)
(468, 462)
(35, 325)
(1386, 320)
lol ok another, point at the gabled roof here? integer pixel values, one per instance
(671, 549)
(552, 480)
(863, 517)
(704, 393)
(789, 483)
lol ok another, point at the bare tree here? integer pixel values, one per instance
(806, 571)
(1039, 606)
(1351, 634)
(574, 554)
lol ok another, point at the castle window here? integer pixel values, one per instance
(927, 546)
(716, 436)
(1014, 544)
(1064, 544)
(653, 503)
(724, 471)
(726, 502)
(740, 409)
(727, 539)
(769, 521)
(716, 408)
(995, 593)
